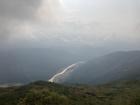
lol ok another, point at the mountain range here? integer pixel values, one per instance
(122, 65)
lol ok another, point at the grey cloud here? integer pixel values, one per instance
(81, 21)
(14, 12)
(18, 8)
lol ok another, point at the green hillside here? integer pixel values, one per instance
(44, 93)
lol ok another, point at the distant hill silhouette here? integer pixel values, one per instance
(107, 68)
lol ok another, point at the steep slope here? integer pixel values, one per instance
(111, 67)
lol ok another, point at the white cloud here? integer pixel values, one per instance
(81, 21)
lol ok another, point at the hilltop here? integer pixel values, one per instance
(44, 93)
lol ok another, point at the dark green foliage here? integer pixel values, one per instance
(43, 93)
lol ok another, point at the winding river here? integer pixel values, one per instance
(64, 73)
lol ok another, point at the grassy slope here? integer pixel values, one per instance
(43, 93)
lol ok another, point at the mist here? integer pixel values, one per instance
(94, 23)
(67, 31)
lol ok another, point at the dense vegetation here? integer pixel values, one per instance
(43, 93)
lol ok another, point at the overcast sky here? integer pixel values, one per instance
(87, 22)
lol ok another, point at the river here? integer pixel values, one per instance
(65, 72)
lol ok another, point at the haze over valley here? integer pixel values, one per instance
(40, 38)
(48, 48)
